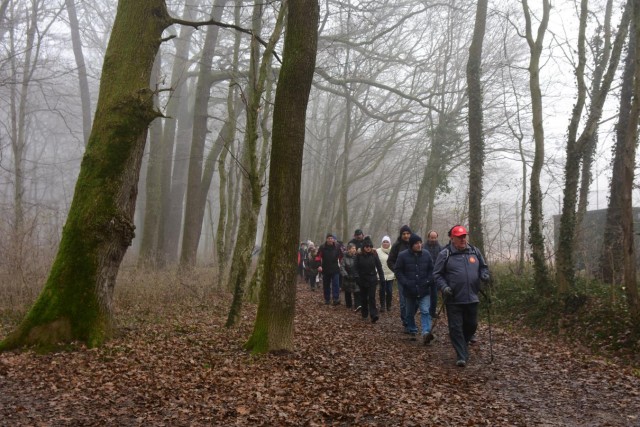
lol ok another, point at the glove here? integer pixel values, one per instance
(485, 277)
(447, 292)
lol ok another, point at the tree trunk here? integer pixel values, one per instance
(476, 138)
(536, 237)
(85, 97)
(192, 215)
(252, 183)
(76, 302)
(273, 329)
(611, 263)
(631, 142)
(576, 151)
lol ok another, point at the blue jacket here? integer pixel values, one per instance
(414, 271)
(461, 271)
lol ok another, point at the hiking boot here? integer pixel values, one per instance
(327, 302)
(473, 339)
(336, 302)
(427, 338)
(461, 363)
(412, 336)
(374, 319)
(381, 309)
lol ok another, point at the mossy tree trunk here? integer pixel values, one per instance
(536, 237)
(611, 263)
(273, 329)
(76, 302)
(476, 138)
(578, 148)
(252, 179)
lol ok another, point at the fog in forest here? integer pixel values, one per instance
(387, 140)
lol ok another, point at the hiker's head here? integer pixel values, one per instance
(330, 240)
(358, 234)
(432, 236)
(459, 237)
(415, 243)
(367, 245)
(405, 233)
(386, 242)
(351, 249)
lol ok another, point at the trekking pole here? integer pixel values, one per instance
(488, 300)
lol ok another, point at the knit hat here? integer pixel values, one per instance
(405, 228)
(414, 239)
(386, 239)
(367, 242)
(357, 232)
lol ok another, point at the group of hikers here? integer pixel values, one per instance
(458, 271)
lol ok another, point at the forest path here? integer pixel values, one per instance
(185, 368)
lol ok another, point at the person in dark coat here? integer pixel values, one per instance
(434, 248)
(459, 271)
(414, 269)
(369, 273)
(401, 244)
(311, 265)
(350, 275)
(330, 256)
(358, 240)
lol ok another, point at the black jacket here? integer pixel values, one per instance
(369, 268)
(329, 256)
(414, 271)
(399, 246)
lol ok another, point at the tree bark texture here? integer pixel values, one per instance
(536, 236)
(631, 142)
(611, 263)
(76, 302)
(273, 330)
(476, 138)
(252, 180)
(575, 153)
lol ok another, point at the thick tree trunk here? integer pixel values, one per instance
(273, 330)
(631, 142)
(476, 138)
(76, 302)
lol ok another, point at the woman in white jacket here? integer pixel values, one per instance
(387, 286)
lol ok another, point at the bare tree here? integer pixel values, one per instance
(273, 329)
(536, 237)
(476, 139)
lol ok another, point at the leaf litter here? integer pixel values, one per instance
(188, 369)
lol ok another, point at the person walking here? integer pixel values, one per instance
(386, 287)
(369, 272)
(414, 269)
(434, 248)
(358, 239)
(401, 244)
(311, 265)
(458, 273)
(330, 255)
(350, 275)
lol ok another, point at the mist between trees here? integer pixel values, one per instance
(387, 137)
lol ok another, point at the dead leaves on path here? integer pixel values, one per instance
(185, 368)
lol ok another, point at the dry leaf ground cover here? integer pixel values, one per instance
(175, 364)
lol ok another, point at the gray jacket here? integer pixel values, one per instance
(461, 271)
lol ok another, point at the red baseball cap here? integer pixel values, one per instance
(459, 231)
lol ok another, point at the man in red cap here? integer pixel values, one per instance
(458, 273)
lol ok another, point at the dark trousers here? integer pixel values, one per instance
(368, 295)
(331, 286)
(386, 295)
(352, 299)
(463, 322)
